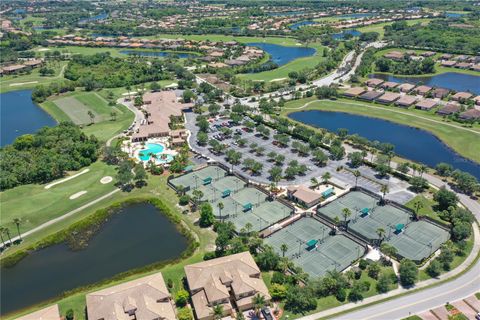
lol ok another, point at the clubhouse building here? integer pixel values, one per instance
(161, 109)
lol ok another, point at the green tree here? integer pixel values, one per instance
(445, 198)
(206, 216)
(17, 222)
(383, 283)
(357, 175)
(220, 208)
(278, 291)
(356, 159)
(258, 303)
(217, 311)
(325, 177)
(434, 268)
(381, 234)
(181, 298)
(408, 272)
(283, 248)
(140, 175)
(346, 214)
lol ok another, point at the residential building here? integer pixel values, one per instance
(406, 87)
(440, 93)
(354, 92)
(470, 114)
(370, 95)
(388, 97)
(460, 96)
(230, 281)
(449, 109)
(422, 90)
(145, 298)
(426, 104)
(373, 82)
(406, 101)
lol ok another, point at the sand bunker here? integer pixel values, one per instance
(106, 179)
(78, 194)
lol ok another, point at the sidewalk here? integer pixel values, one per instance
(390, 294)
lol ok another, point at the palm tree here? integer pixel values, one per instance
(364, 155)
(356, 174)
(218, 312)
(7, 232)
(258, 303)
(380, 233)
(314, 183)
(373, 152)
(17, 222)
(220, 207)
(414, 167)
(417, 205)
(423, 168)
(92, 116)
(336, 221)
(384, 191)
(248, 227)
(325, 177)
(284, 249)
(346, 213)
(2, 231)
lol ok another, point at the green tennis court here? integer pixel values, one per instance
(419, 240)
(231, 183)
(311, 247)
(200, 177)
(249, 195)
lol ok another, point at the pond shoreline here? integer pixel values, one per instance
(454, 152)
(97, 220)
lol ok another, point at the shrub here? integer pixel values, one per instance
(183, 201)
(181, 298)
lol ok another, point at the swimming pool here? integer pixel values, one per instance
(155, 149)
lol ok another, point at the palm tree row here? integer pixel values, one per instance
(6, 231)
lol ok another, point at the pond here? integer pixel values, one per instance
(181, 55)
(20, 115)
(298, 25)
(283, 54)
(450, 80)
(410, 143)
(136, 236)
(342, 35)
(454, 15)
(355, 15)
(100, 16)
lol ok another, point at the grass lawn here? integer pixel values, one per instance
(75, 106)
(33, 79)
(378, 27)
(414, 317)
(157, 187)
(283, 71)
(332, 302)
(217, 37)
(427, 207)
(457, 260)
(458, 138)
(36, 205)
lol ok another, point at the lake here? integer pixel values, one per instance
(283, 54)
(136, 236)
(181, 55)
(341, 35)
(286, 13)
(410, 143)
(20, 115)
(454, 15)
(355, 15)
(450, 80)
(100, 16)
(298, 25)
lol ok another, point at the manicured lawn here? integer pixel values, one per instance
(414, 317)
(36, 205)
(378, 27)
(283, 71)
(33, 79)
(426, 209)
(75, 107)
(458, 138)
(157, 187)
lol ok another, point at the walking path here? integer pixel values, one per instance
(48, 186)
(66, 215)
(139, 116)
(418, 301)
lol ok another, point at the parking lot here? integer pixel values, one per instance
(368, 180)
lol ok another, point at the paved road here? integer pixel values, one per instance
(139, 116)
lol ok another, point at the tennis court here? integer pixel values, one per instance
(198, 178)
(241, 205)
(311, 247)
(367, 216)
(419, 240)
